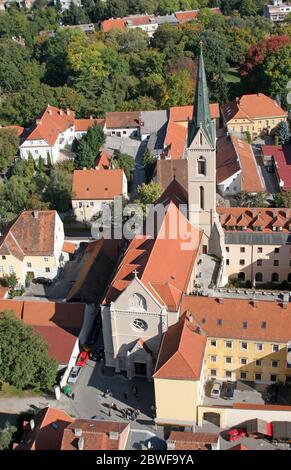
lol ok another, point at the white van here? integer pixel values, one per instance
(216, 389)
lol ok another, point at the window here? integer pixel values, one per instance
(227, 250)
(228, 360)
(275, 363)
(275, 277)
(36, 152)
(258, 376)
(245, 324)
(228, 374)
(213, 358)
(213, 372)
(258, 363)
(28, 265)
(10, 269)
(259, 347)
(3, 257)
(273, 378)
(47, 270)
(1, 269)
(259, 262)
(243, 361)
(91, 203)
(244, 345)
(260, 249)
(275, 347)
(213, 343)
(219, 322)
(243, 375)
(289, 277)
(45, 259)
(242, 262)
(277, 250)
(227, 262)
(276, 262)
(228, 344)
(242, 249)
(264, 325)
(259, 277)
(201, 167)
(80, 204)
(201, 197)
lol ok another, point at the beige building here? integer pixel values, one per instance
(32, 245)
(257, 244)
(225, 340)
(92, 189)
(255, 114)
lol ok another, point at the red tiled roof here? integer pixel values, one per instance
(50, 424)
(125, 119)
(96, 435)
(18, 129)
(175, 140)
(227, 163)
(282, 158)
(182, 351)
(50, 123)
(250, 177)
(166, 170)
(263, 217)
(69, 247)
(163, 266)
(234, 312)
(185, 113)
(82, 125)
(103, 160)
(184, 16)
(31, 233)
(139, 20)
(97, 184)
(112, 23)
(192, 440)
(252, 107)
(3, 292)
(60, 341)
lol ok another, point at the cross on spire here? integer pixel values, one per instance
(135, 272)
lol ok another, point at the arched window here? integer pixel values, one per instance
(201, 162)
(289, 277)
(275, 277)
(259, 277)
(241, 277)
(201, 197)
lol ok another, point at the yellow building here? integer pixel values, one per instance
(221, 339)
(32, 245)
(255, 114)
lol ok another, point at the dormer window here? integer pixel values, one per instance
(257, 228)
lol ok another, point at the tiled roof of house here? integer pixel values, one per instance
(97, 184)
(32, 233)
(135, 20)
(69, 247)
(181, 352)
(82, 125)
(252, 107)
(123, 120)
(48, 432)
(58, 323)
(191, 440)
(175, 140)
(167, 170)
(185, 113)
(282, 158)
(3, 292)
(103, 160)
(163, 266)
(251, 181)
(266, 219)
(50, 123)
(227, 163)
(184, 16)
(95, 435)
(112, 23)
(266, 321)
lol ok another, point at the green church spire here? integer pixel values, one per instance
(201, 113)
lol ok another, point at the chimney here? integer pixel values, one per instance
(32, 424)
(78, 432)
(81, 443)
(38, 121)
(220, 300)
(191, 318)
(91, 117)
(68, 112)
(60, 112)
(254, 303)
(284, 305)
(35, 214)
(114, 436)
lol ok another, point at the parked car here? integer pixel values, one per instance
(42, 280)
(235, 434)
(216, 389)
(82, 359)
(74, 375)
(228, 391)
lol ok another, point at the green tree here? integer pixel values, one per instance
(88, 147)
(148, 163)
(9, 143)
(58, 192)
(6, 435)
(124, 162)
(10, 281)
(148, 194)
(282, 132)
(24, 356)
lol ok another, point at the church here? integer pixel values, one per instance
(145, 295)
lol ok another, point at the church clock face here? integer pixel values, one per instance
(139, 324)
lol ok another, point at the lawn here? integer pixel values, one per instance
(234, 82)
(7, 390)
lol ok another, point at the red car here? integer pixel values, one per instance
(82, 359)
(235, 434)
